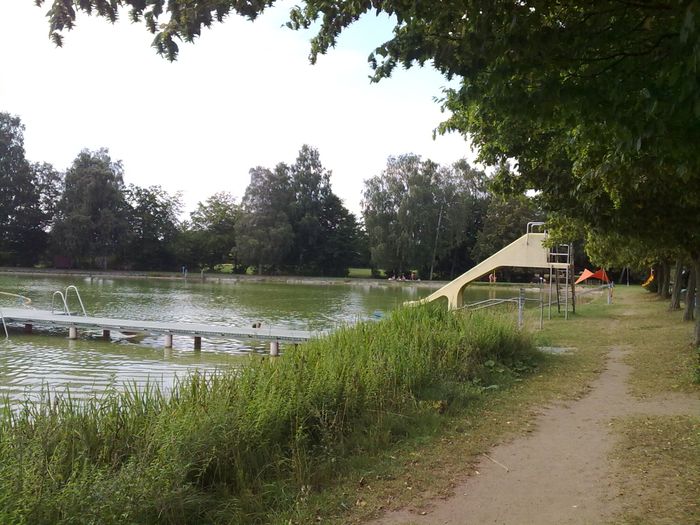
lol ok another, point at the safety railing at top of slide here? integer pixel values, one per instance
(535, 225)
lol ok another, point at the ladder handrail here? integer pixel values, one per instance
(2, 316)
(63, 298)
(77, 294)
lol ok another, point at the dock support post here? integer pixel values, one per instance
(542, 303)
(28, 328)
(72, 332)
(168, 340)
(106, 335)
(521, 308)
(274, 348)
(197, 342)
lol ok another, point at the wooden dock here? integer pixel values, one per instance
(30, 317)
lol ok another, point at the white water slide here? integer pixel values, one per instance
(526, 252)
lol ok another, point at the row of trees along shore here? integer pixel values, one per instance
(416, 216)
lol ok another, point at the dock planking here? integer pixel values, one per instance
(196, 330)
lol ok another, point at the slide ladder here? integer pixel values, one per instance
(561, 271)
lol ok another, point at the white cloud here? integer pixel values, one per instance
(243, 95)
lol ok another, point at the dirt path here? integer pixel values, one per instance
(560, 473)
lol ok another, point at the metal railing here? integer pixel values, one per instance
(531, 226)
(25, 302)
(609, 287)
(64, 300)
(77, 294)
(2, 317)
(520, 301)
(488, 303)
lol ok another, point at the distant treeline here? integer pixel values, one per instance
(416, 216)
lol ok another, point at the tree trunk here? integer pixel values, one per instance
(666, 282)
(696, 339)
(658, 277)
(676, 293)
(690, 296)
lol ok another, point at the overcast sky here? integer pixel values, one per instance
(244, 95)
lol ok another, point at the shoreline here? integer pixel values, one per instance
(222, 278)
(217, 277)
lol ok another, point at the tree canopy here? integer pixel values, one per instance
(92, 219)
(153, 227)
(291, 220)
(426, 217)
(597, 103)
(27, 197)
(212, 230)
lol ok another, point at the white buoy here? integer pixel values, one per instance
(168, 340)
(274, 348)
(72, 332)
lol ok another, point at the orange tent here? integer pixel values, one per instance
(587, 274)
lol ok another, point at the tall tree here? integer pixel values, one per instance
(50, 184)
(264, 233)
(325, 233)
(214, 222)
(291, 220)
(310, 185)
(92, 222)
(401, 213)
(26, 198)
(153, 227)
(341, 239)
(464, 202)
(418, 214)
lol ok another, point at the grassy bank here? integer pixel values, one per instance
(374, 417)
(657, 457)
(426, 465)
(244, 448)
(661, 481)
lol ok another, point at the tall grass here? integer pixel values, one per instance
(228, 448)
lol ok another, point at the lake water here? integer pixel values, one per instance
(89, 365)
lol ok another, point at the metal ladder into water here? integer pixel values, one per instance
(64, 300)
(63, 295)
